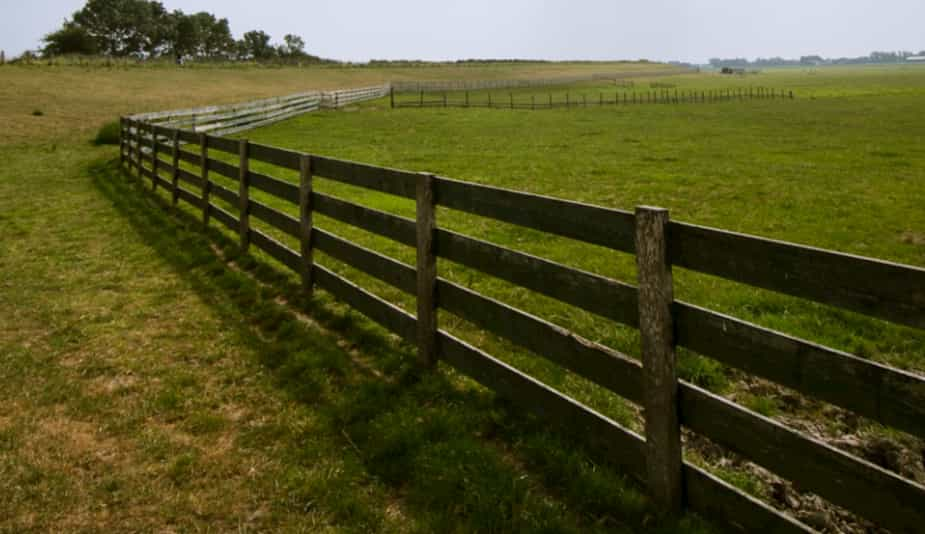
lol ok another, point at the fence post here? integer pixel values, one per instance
(426, 272)
(392, 96)
(128, 144)
(422, 98)
(121, 142)
(244, 194)
(467, 99)
(153, 159)
(204, 173)
(305, 220)
(444, 99)
(791, 95)
(138, 152)
(660, 386)
(175, 174)
(512, 100)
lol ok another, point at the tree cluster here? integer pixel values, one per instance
(874, 57)
(145, 29)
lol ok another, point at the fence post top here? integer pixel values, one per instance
(651, 209)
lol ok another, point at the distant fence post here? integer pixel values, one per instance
(305, 222)
(138, 153)
(244, 194)
(426, 272)
(121, 142)
(204, 173)
(153, 159)
(660, 386)
(175, 172)
(392, 96)
(467, 99)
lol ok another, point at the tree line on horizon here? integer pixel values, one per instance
(813, 60)
(145, 29)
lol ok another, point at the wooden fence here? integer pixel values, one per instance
(880, 289)
(616, 98)
(477, 85)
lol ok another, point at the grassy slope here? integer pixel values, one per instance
(153, 383)
(841, 167)
(78, 100)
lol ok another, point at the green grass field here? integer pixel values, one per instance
(156, 379)
(840, 167)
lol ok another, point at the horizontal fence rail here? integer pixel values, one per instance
(882, 290)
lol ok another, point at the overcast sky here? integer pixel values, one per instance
(689, 30)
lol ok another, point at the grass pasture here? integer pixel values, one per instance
(155, 379)
(838, 168)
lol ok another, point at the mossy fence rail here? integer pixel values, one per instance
(880, 289)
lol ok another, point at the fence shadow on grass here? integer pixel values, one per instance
(458, 458)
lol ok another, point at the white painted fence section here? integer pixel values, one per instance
(234, 118)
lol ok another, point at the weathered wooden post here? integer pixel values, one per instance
(426, 272)
(204, 174)
(392, 96)
(660, 385)
(175, 173)
(153, 158)
(138, 152)
(512, 100)
(422, 99)
(467, 99)
(305, 222)
(122, 142)
(244, 194)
